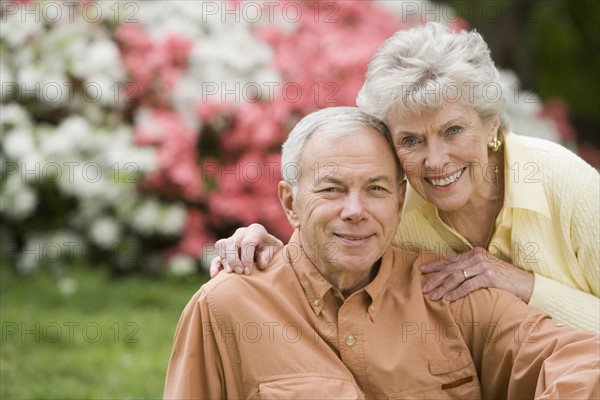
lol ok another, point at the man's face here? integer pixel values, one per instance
(348, 203)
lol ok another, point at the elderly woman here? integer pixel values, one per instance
(505, 211)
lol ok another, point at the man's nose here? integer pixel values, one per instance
(354, 209)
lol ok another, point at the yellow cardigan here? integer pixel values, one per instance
(550, 225)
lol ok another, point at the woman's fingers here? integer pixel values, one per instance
(256, 245)
(445, 273)
(228, 254)
(435, 266)
(454, 275)
(215, 266)
(230, 250)
(247, 246)
(266, 253)
(468, 286)
(473, 270)
(448, 282)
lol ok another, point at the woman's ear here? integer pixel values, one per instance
(286, 197)
(494, 125)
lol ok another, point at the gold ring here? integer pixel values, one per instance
(465, 274)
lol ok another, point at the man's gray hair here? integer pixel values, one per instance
(416, 70)
(333, 122)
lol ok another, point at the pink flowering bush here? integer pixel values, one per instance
(194, 104)
(228, 169)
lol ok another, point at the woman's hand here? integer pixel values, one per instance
(246, 248)
(472, 270)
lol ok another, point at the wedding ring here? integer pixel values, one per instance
(465, 274)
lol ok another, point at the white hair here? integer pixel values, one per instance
(418, 69)
(333, 122)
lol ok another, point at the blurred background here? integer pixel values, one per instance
(135, 133)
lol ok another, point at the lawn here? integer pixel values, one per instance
(84, 335)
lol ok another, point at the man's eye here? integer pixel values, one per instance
(377, 188)
(330, 190)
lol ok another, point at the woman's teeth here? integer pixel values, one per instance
(446, 181)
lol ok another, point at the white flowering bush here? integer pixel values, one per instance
(134, 133)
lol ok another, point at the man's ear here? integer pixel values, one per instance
(286, 197)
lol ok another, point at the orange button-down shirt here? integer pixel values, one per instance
(286, 332)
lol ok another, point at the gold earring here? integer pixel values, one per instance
(495, 144)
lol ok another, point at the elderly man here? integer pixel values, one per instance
(339, 313)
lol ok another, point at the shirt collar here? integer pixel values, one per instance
(378, 286)
(315, 286)
(522, 181)
(412, 200)
(523, 178)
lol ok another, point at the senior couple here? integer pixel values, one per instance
(340, 313)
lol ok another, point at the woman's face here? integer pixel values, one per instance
(444, 154)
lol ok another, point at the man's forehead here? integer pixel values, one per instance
(367, 156)
(323, 144)
(338, 176)
(359, 161)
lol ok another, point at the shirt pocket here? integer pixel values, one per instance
(455, 378)
(307, 386)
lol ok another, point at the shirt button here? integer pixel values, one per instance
(350, 340)
(316, 302)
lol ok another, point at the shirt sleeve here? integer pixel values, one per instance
(520, 352)
(585, 230)
(196, 368)
(567, 305)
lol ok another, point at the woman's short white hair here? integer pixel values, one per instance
(333, 122)
(418, 69)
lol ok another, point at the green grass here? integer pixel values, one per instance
(107, 339)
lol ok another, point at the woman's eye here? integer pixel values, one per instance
(408, 141)
(453, 130)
